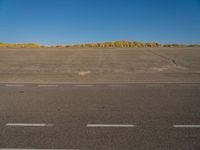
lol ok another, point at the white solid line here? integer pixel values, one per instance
(28, 125)
(34, 149)
(47, 85)
(110, 125)
(186, 126)
(83, 85)
(14, 85)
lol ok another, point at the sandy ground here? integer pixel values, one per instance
(99, 65)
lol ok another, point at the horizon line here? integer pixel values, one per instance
(80, 43)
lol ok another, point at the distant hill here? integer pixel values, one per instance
(114, 44)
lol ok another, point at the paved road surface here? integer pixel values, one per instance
(137, 116)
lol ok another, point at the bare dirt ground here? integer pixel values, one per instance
(99, 65)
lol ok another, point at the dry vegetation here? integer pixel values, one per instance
(20, 45)
(120, 44)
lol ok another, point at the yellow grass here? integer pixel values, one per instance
(114, 44)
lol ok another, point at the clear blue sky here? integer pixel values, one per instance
(76, 21)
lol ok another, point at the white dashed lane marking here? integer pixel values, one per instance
(110, 126)
(28, 125)
(14, 85)
(186, 126)
(47, 85)
(84, 85)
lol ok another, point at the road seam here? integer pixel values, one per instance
(154, 85)
(118, 85)
(34, 149)
(104, 83)
(186, 85)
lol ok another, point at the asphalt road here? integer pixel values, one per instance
(136, 116)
